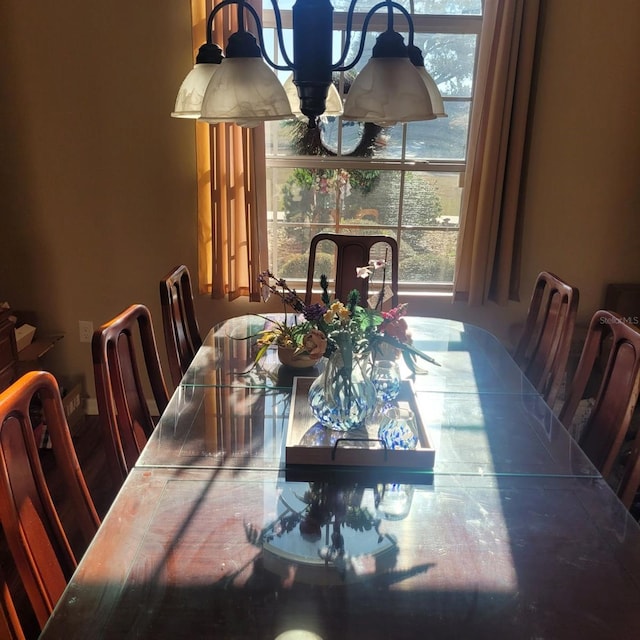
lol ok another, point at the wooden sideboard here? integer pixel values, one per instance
(8, 350)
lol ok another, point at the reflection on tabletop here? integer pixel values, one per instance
(246, 554)
(331, 531)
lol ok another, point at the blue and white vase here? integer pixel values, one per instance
(343, 396)
(398, 429)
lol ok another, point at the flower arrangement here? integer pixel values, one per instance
(349, 335)
(319, 329)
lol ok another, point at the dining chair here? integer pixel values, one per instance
(10, 623)
(38, 543)
(181, 332)
(630, 480)
(121, 380)
(543, 349)
(353, 251)
(605, 428)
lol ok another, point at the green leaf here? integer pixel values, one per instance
(261, 352)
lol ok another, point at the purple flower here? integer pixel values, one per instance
(314, 312)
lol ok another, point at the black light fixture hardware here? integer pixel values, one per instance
(392, 87)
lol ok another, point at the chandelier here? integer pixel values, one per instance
(241, 86)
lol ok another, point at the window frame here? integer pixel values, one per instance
(423, 24)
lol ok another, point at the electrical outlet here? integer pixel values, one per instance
(86, 330)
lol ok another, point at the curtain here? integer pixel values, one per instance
(232, 219)
(488, 259)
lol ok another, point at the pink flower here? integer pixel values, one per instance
(315, 343)
(377, 264)
(395, 325)
(397, 329)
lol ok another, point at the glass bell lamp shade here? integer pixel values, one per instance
(388, 91)
(192, 90)
(333, 102)
(434, 93)
(244, 91)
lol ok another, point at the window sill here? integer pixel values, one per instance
(427, 293)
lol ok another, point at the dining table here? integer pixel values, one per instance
(510, 533)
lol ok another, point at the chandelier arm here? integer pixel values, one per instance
(349, 30)
(240, 15)
(389, 18)
(209, 33)
(339, 65)
(283, 50)
(311, 62)
(280, 67)
(402, 10)
(213, 13)
(389, 4)
(243, 5)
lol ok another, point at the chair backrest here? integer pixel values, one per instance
(615, 399)
(543, 349)
(630, 481)
(10, 624)
(353, 252)
(39, 545)
(181, 332)
(120, 379)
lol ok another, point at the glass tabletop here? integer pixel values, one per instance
(212, 534)
(196, 552)
(472, 433)
(470, 358)
(480, 415)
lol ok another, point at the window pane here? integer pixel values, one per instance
(428, 256)
(435, 7)
(442, 139)
(278, 139)
(327, 199)
(449, 58)
(303, 202)
(431, 199)
(288, 226)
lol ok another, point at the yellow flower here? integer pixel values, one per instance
(338, 309)
(267, 337)
(344, 314)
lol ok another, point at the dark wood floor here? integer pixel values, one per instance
(90, 452)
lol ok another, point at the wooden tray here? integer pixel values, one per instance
(309, 443)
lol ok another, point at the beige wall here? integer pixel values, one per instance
(97, 191)
(583, 181)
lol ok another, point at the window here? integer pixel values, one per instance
(405, 181)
